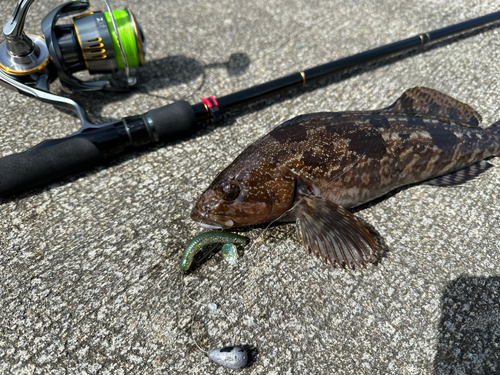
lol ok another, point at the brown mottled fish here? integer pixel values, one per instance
(311, 169)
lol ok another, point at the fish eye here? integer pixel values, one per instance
(230, 190)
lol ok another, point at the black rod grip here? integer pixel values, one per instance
(173, 121)
(23, 171)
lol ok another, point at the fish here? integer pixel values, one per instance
(316, 167)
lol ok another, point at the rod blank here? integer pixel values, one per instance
(258, 92)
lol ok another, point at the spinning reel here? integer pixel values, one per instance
(97, 42)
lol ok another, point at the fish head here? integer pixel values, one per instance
(241, 197)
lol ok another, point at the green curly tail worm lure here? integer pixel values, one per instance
(230, 253)
(229, 250)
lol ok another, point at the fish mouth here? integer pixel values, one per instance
(209, 220)
(209, 226)
(213, 214)
(219, 223)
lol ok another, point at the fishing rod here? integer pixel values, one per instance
(93, 144)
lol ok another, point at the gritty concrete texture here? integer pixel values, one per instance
(88, 265)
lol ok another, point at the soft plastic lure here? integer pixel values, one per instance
(229, 250)
(230, 253)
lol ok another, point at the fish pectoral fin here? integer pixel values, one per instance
(430, 102)
(333, 233)
(461, 176)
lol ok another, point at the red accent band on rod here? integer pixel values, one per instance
(210, 102)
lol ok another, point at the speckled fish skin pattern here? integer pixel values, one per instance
(382, 152)
(353, 158)
(89, 280)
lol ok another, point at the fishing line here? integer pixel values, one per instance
(233, 357)
(183, 278)
(211, 307)
(153, 314)
(204, 216)
(343, 173)
(192, 336)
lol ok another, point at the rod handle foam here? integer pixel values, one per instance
(25, 170)
(173, 121)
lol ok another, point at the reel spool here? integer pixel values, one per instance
(99, 42)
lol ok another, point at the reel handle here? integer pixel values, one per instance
(18, 43)
(56, 158)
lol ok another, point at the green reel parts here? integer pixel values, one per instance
(99, 42)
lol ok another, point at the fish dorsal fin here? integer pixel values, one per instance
(430, 102)
(333, 233)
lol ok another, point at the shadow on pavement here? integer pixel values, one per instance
(469, 329)
(155, 75)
